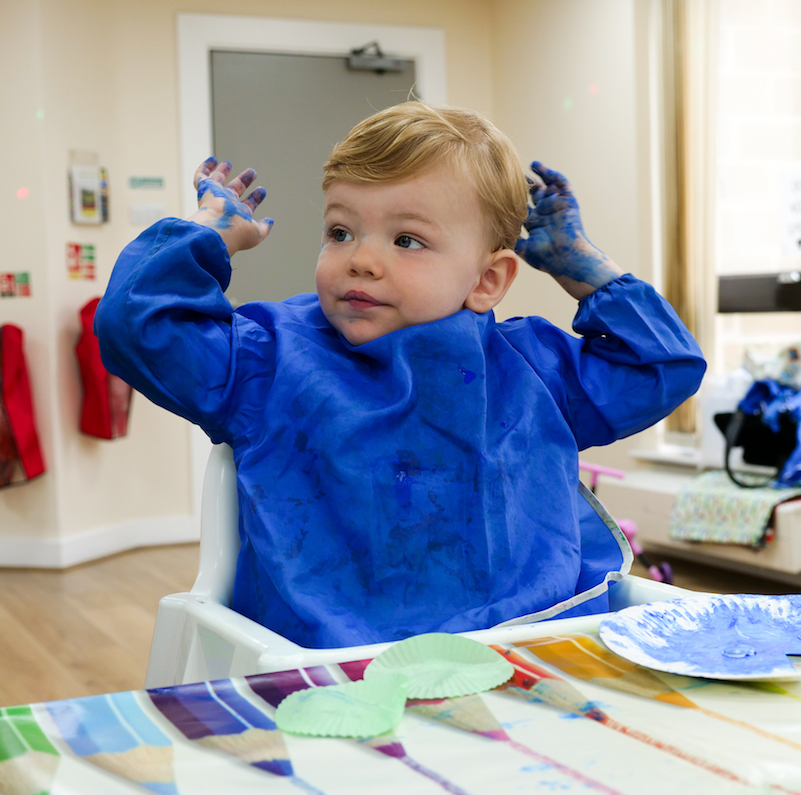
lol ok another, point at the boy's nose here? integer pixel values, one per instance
(365, 262)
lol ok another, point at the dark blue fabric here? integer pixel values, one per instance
(423, 481)
(770, 399)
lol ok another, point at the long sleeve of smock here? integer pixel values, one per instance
(166, 327)
(634, 363)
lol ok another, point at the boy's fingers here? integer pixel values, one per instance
(534, 184)
(556, 202)
(265, 225)
(549, 176)
(255, 198)
(534, 223)
(537, 194)
(546, 204)
(204, 169)
(221, 172)
(534, 220)
(240, 183)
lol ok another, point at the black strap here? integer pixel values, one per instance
(732, 432)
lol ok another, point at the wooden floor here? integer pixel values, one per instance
(87, 630)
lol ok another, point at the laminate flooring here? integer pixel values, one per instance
(87, 630)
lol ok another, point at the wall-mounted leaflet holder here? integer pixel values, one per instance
(88, 184)
(768, 292)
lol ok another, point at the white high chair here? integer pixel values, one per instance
(199, 637)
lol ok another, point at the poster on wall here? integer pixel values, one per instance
(15, 284)
(88, 194)
(81, 260)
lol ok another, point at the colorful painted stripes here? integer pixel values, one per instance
(133, 736)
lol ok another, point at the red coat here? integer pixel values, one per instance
(20, 454)
(106, 397)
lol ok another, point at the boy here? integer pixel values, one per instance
(405, 464)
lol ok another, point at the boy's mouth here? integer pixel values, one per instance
(359, 300)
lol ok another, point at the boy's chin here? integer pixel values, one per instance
(359, 332)
(356, 337)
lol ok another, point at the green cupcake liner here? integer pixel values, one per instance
(356, 709)
(440, 665)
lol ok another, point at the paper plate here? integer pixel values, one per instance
(440, 665)
(354, 709)
(739, 636)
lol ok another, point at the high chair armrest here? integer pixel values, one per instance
(198, 639)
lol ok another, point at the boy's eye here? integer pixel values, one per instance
(340, 235)
(404, 241)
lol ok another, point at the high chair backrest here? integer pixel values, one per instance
(219, 527)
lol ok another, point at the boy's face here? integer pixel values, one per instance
(399, 254)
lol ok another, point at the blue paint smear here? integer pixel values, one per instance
(711, 635)
(233, 207)
(469, 375)
(556, 242)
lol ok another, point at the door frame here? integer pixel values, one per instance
(199, 34)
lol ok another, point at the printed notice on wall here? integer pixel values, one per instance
(15, 284)
(81, 260)
(791, 211)
(85, 195)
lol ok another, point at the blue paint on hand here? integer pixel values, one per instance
(556, 242)
(225, 207)
(232, 207)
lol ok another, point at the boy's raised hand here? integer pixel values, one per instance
(556, 242)
(222, 207)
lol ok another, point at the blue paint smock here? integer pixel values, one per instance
(424, 481)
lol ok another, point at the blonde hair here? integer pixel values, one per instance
(404, 140)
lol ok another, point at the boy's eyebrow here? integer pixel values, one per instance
(334, 206)
(413, 216)
(401, 216)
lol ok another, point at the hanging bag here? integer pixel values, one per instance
(766, 427)
(106, 397)
(20, 453)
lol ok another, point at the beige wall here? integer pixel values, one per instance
(32, 508)
(565, 92)
(570, 89)
(562, 78)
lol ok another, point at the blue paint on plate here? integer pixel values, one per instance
(739, 636)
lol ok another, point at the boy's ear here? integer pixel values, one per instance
(496, 279)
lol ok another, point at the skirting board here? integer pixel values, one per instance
(61, 553)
